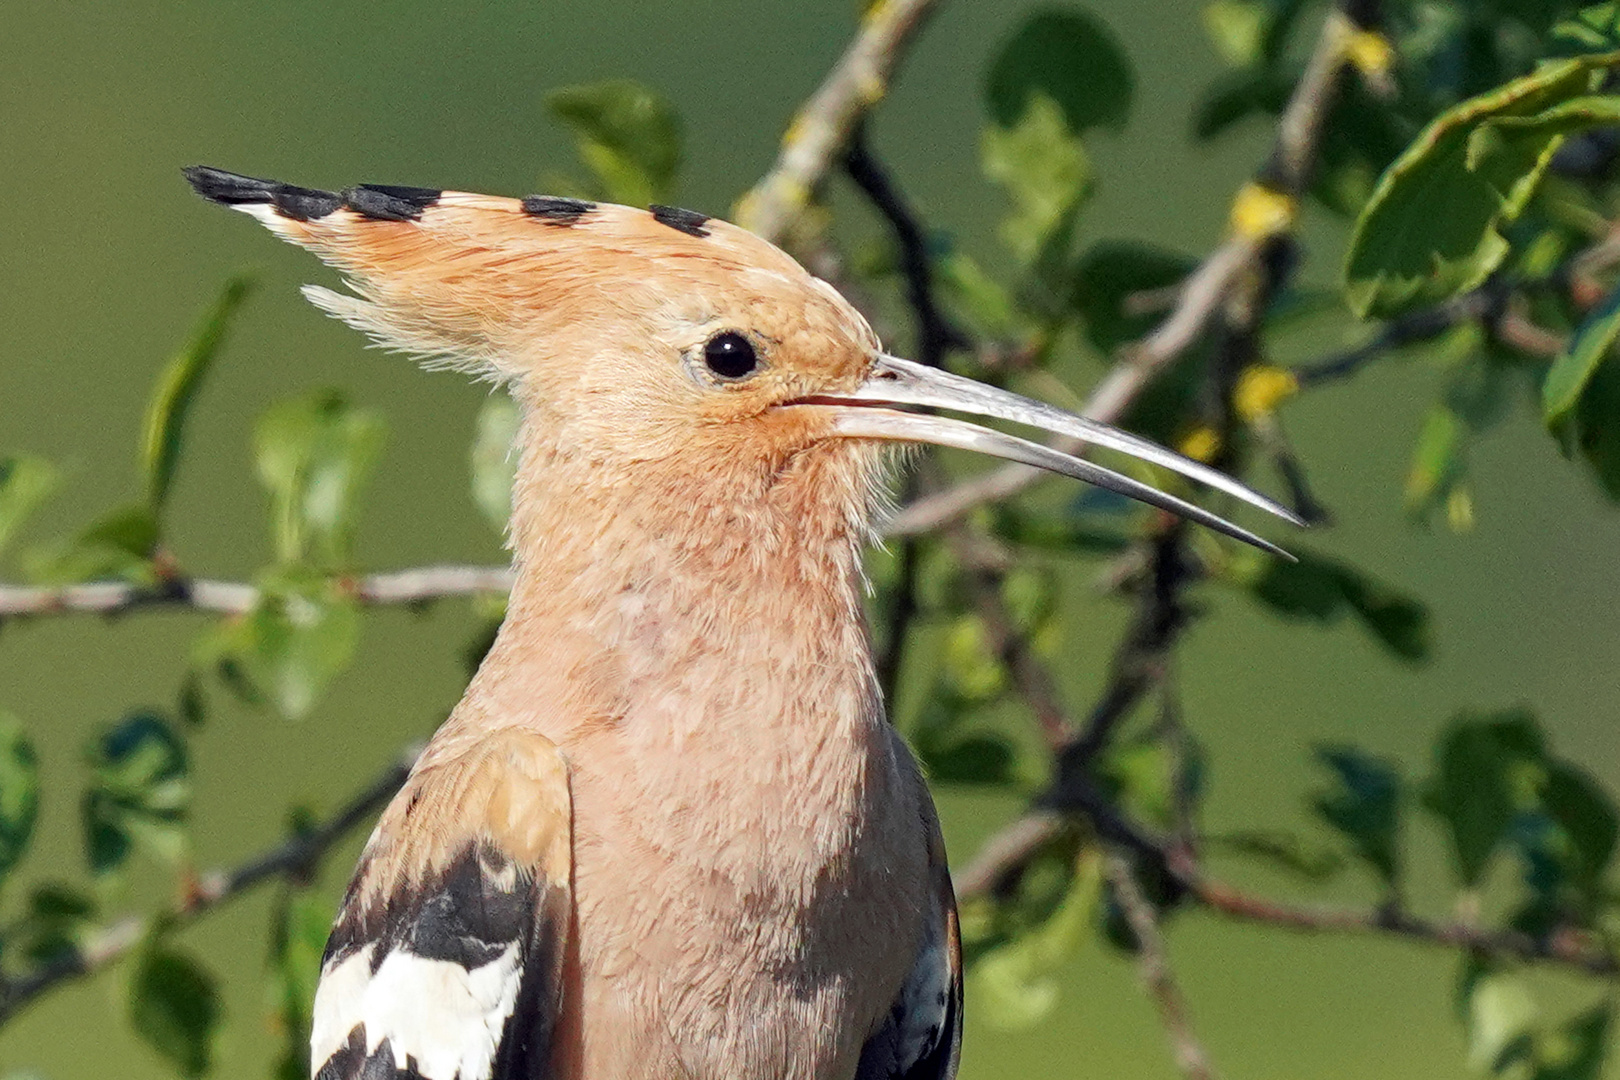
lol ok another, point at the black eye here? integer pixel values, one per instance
(730, 356)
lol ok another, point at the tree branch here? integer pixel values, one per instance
(1154, 961)
(1200, 299)
(824, 124)
(414, 586)
(295, 859)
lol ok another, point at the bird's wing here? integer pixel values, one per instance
(445, 960)
(921, 1037)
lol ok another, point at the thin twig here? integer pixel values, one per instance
(936, 334)
(1154, 960)
(415, 586)
(824, 123)
(295, 859)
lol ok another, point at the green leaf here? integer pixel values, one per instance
(1593, 341)
(1594, 427)
(1109, 274)
(985, 301)
(24, 484)
(174, 1007)
(1016, 984)
(953, 751)
(1594, 29)
(1498, 1016)
(1587, 817)
(297, 942)
(314, 454)
(1043, 168)
(19, 792)
(1364, 805)
(1068, 56)
(1431, 228)
(1577, 1050)
(301, 635)
(494, 459)
(1325, 590)
(1237, 29)
(119, 546)
(164, 433)
(627, 135)
(1281, 850)
(970, 670)
(56, 919)
(140, 790)
(1480, 782)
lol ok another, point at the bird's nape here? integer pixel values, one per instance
(860, 413)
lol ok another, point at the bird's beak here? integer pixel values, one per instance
(893, 381)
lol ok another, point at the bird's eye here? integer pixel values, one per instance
(731, 356)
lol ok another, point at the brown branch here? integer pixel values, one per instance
(822, 128)
(1569, 947)
(415, 586)
(1200, 300)
(1154, 961)
(295, 860)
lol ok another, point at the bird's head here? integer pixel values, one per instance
(637, 336)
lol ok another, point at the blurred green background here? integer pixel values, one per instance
(108, 258)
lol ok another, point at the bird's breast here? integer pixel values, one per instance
(749, 889)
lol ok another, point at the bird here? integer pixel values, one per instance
(667, 832)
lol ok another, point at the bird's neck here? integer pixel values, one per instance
(698, 591)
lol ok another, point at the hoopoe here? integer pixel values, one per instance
(667, 832)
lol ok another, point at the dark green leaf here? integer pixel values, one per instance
(1479, 783)
(1281, 850)
(1587, 817)
(1430, 229)
(494, 459)
(24, 484)
(1070, 57)
(56, 919)
(300, 636)
(1593, 341)
(1238, 95)
(1109, 275)
(1364, 805)
(314, 454)
(192, 703)
(1594, 29)
(163, 437)
(1044, 170)
(1579, 1048)
(19, 791)
(298, 939)
(1324, 590)
(119, 546)
(1594, 427)
(628, 136)
(139, 792)
(174, 1007)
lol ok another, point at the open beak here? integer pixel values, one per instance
(893, 381)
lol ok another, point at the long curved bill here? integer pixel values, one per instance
(894, 381)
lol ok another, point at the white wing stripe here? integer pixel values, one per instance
(446, 1017)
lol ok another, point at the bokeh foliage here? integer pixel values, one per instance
(1470, 163)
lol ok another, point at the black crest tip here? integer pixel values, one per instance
(689, 222)
(556, 209)
(233, 189)
(389, 202)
